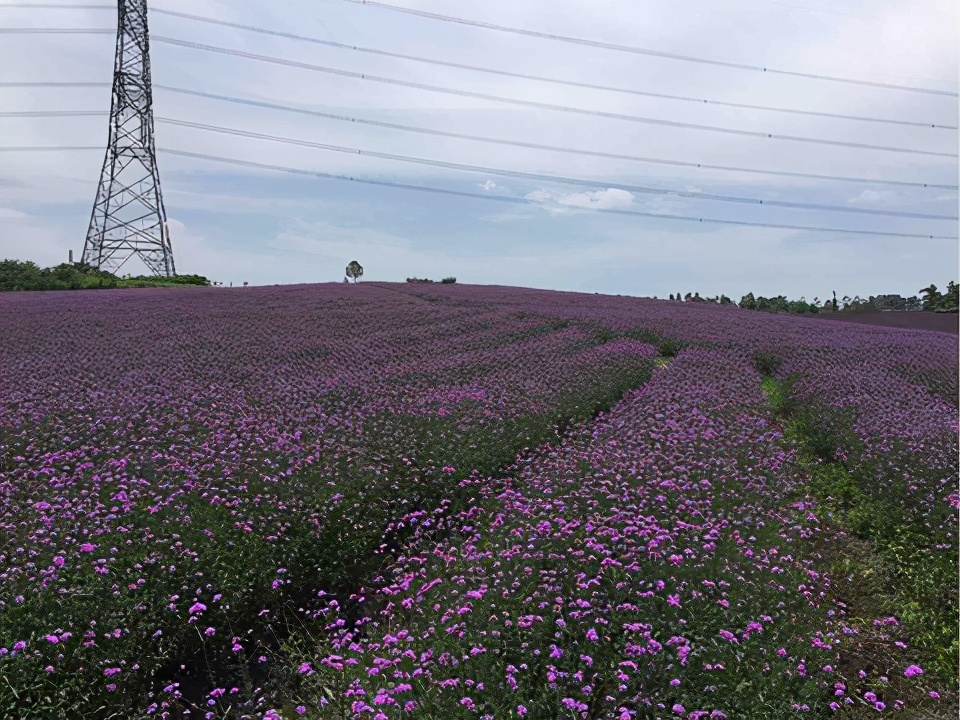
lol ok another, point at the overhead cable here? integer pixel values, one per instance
(53, 84)
(57, 6)
(552, 178)
(542, 106)
(540, 78)
(524, 201)
(551, 148)
(649, 52)
(44, 148)
(53, 113)
(57, 31)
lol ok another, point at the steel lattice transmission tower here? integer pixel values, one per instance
(128, 215)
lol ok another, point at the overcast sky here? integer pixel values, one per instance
(236, 224)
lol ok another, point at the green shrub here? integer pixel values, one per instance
(766, 363)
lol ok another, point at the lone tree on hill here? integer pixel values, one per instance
(354, 270)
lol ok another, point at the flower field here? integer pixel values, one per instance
(383, 501)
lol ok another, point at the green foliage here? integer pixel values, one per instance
(826, 431)
(354, 270)
(153, 281)
(778, 304)
(898, 526)
(25, 275)
(448, 281)
(931, 297)
(19, 275)
(766, 363)
(950, 300)
(667, 347)
(935, 301)
(333, 527)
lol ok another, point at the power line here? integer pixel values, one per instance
(646, 51)
(523, 201)
(53, 113)
(540, 78)
(551, 178)
(44, 148)
(484, 139)
(551, 148)
(53, 84)
(539, 105)
(57, 31)
(57, 6)
(503, 28)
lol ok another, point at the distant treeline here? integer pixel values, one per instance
(445, 281)
(26, 275)
(930, 300)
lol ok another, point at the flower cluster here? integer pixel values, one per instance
(442, 501)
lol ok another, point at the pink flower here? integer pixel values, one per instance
(305, 669)
(913, 670)
(111, 671)
(197, 607)
(592, 635)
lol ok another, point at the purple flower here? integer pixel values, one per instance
(912, 671)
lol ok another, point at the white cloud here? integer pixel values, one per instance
(538, 196)
(872, 197)
(246, 224)
(561, 203)
(603, 199)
